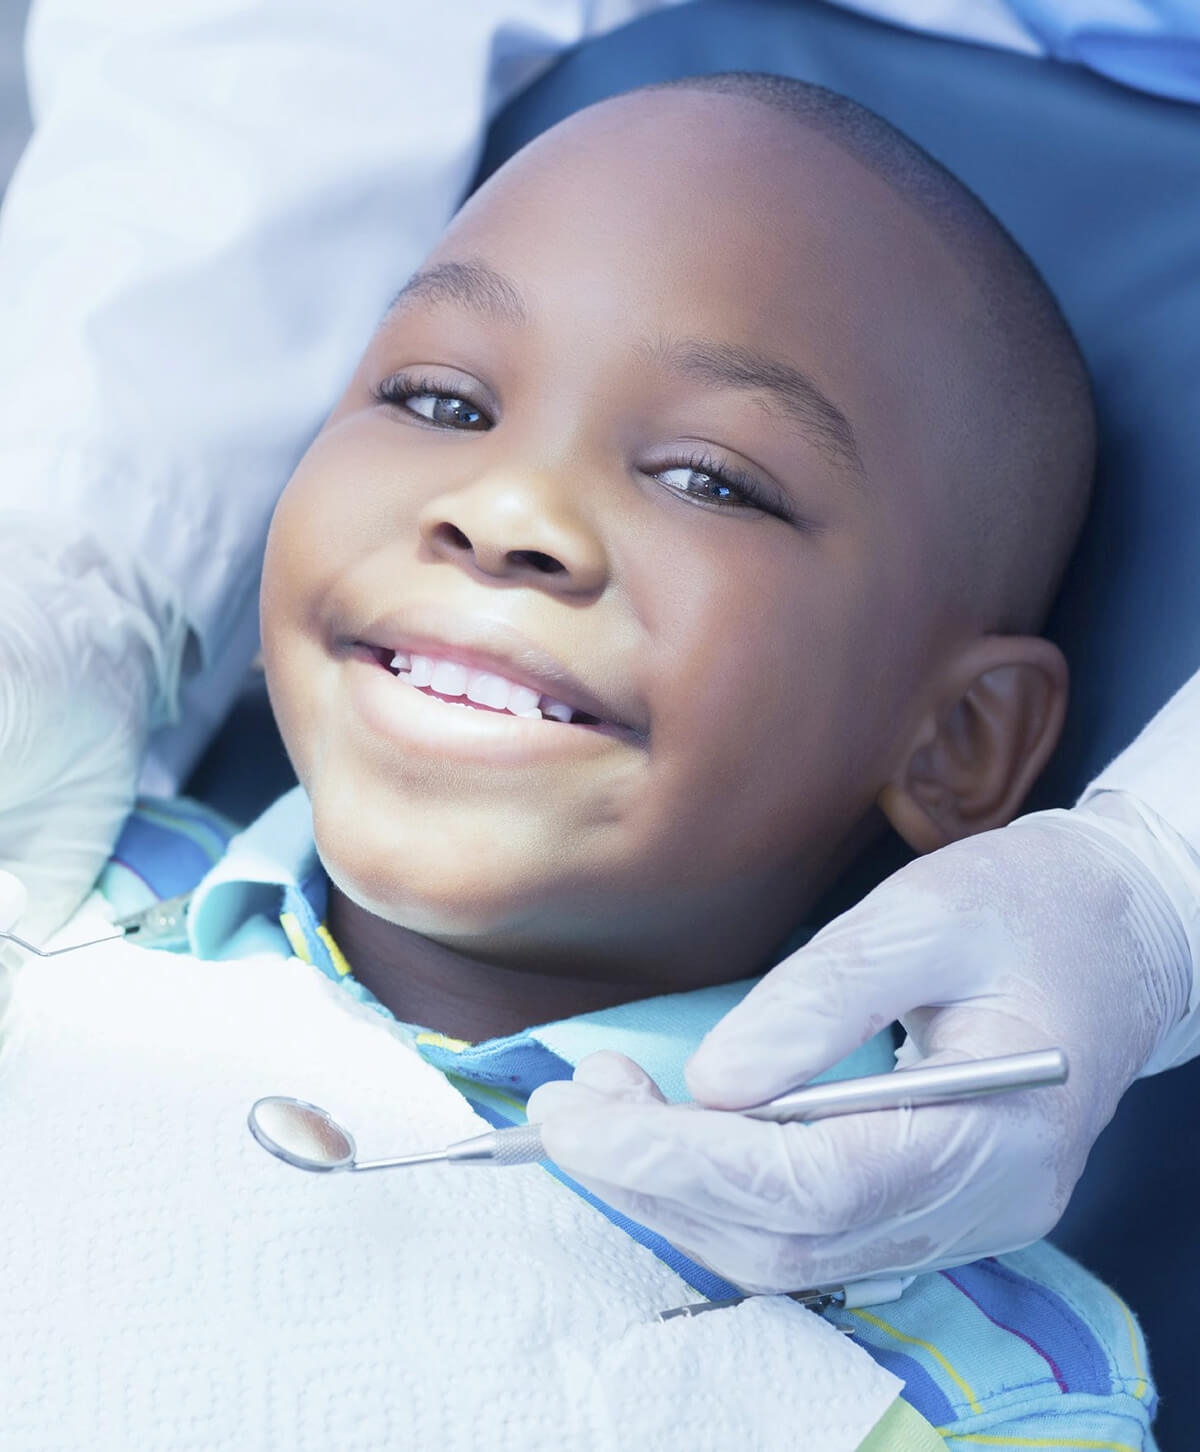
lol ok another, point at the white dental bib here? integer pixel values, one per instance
(165, 1284)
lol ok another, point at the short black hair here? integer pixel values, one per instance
(1026, 457)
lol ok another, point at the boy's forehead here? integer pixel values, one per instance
(688, 186)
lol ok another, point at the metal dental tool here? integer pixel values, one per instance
(309, 1138)
(877, 1292)
(162, 925)
(54, 952)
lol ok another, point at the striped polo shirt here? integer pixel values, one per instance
(1025, 1350)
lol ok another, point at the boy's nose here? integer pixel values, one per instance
(519, 530)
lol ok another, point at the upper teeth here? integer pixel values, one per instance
(450, 678)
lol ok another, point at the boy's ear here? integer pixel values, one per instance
(990, 731)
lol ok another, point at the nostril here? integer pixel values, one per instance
(542, 563)
(452, 535)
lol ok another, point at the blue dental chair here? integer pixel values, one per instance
(1101, 186)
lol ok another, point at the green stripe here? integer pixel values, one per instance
(511, 1108)
(205, 835)
(902, 1429)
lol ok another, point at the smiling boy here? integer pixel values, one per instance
(685, 527)
(758, 447)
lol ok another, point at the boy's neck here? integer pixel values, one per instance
(424, 983)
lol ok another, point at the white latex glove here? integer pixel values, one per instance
(13, 898)
(1062, 929)
(90, 650)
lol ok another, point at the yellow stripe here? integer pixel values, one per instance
(294, 933)
(982, 1439)
(1133, 1342)
(339, 958)
(295, 936)
(442, 1041)
(933, 1351)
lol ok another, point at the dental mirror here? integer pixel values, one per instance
(301, 1134)
(308, 1137)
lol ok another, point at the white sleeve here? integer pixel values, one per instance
(1158, 778)
(219, 198)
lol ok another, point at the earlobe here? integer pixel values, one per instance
(995, 720)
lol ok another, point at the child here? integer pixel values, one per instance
(685, 527)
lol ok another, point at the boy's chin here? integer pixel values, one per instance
(477, 920)
(439, 872)
(436, 895)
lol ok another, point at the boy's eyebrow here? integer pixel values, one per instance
(481, 288)
(730, 366)
(471, 284)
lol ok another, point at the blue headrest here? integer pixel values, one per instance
(1101, 186)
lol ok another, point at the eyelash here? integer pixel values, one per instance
(400, 387)
(397, 389)
(752, 495)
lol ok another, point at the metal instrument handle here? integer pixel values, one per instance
(908, 1088)
(519, 1145)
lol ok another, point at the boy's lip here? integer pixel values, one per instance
(480, 643)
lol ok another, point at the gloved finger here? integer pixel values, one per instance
(603, 1077)
(897, 950)
(820, 1179)
(562, 1096)
(619, 1077)
(723, 1231)
(769, 1261)
(13, 897)
(816, 1179)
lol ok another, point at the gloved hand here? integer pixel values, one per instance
(1061, 929)
(90, 651)
(13, 899)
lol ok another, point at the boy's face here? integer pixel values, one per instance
(648, 436)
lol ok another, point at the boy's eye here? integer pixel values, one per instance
(433, 400)
(708, 484)
(446, 410)
(696, 481)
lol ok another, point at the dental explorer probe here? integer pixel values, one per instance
(14, 899)
(55, 952)
(309, 1138)
(161, 925)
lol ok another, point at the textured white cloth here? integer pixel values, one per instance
(167, 1284)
